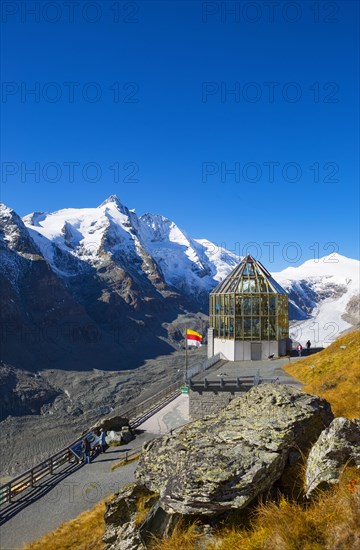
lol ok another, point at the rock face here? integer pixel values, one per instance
(225, 461)
(121, 518)
(339, 444)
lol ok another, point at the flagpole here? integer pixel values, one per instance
(186, 356)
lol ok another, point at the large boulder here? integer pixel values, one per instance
(225, 460)
(338, 445)
(118, 438)
(113, 438)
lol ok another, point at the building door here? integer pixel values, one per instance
(256, 351)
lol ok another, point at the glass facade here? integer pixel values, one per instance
(249, 305)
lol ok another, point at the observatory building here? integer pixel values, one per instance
(248, 314)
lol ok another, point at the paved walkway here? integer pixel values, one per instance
(61, 498)
(78, 488)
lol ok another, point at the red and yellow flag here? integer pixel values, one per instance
(193, 338)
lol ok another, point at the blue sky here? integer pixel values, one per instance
(239, 124)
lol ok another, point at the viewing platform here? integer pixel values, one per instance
(213, 389)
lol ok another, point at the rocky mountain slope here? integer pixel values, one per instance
(87, 288)
(152, 249)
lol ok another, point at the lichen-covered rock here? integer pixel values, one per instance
(225, 460)
(122, 531)
(338, 445)
(125, 435)
(113, 437)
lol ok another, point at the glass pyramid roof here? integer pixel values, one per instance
(249, 277)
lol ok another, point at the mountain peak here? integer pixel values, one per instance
(113, 199)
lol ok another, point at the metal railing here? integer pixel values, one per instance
(146, 407)
(239, 384)
(28, 479)
(136, 415)
(243, 383)
(193, 370)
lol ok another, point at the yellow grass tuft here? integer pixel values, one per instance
(83, 533)
(331, 522)
(181, 539)
(336, 375)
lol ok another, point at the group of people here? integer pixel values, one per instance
(299, 347)
(86, 447)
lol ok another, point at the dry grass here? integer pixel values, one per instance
(332, 522)
(83, 533)
(144, 505)
(336, 375)
(181, 539)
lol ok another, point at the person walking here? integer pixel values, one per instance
(102, 440)
(299, 349)
(308, 344)
(87, 450)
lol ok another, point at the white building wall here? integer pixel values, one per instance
(240, 350)
(226, 347)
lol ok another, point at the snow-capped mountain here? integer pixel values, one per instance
(111, 285)
(37, 311)
(71, 237)
(324, 293)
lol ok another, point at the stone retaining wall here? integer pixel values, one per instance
(208, 402)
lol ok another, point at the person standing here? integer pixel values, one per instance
(299, 349)
(308, 344)
(87, 450)
(102, 440)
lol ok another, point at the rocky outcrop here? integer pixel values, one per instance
(352, 311)
(338, 445)
(225, 461)
(117, 429)
(122, 518)
(217, 464)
